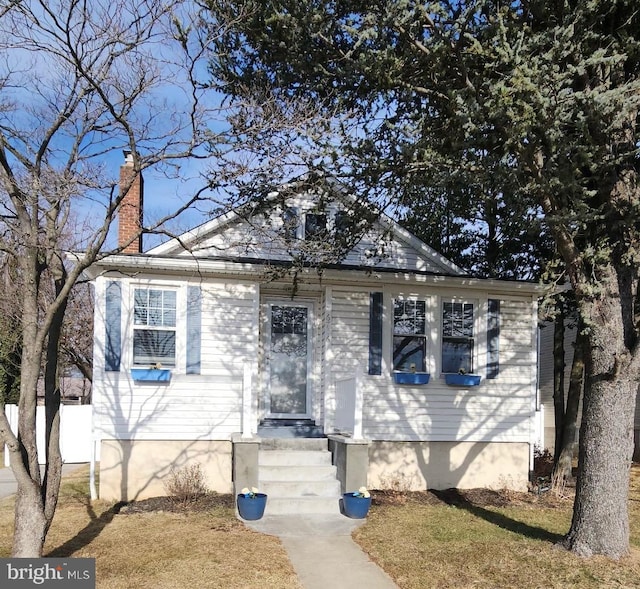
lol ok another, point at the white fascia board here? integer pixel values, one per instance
(175, 265)
(364, 277)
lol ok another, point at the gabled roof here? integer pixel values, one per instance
(232, 236)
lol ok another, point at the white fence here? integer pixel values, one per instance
(75, 432)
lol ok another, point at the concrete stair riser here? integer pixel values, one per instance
(295, 444)
(294, 458)
(302, 505)
(297, 473)
(275, 489)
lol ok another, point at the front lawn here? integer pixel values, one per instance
(488, 540)
(446, 540)
(159, 550)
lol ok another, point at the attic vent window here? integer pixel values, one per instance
(290, 222)
(315, 226)
(342, 223)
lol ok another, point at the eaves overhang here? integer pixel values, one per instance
(260, 271)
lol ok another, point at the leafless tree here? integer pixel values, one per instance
(79, 81)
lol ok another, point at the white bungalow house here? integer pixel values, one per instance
(206, 351)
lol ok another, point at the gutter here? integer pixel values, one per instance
(125, 265)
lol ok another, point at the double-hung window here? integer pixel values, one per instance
(409, 336)
(315, 226)
(290, 222)
(154, 327)
(457, 337)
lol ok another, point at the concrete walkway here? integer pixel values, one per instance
(8, 485)
(322, 552)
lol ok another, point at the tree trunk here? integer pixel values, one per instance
(558, 377)
(30, 521)
(600, 522)
(30, 528)
(564, 463)
(53, 472)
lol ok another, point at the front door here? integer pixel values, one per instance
(288, 360)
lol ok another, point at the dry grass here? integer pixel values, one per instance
(490, 541)
(423, 544)
(159, 550)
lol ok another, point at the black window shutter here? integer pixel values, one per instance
(493, 338)
(113, 335)
(375, 333)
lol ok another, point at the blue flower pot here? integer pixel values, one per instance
(355, 507)
(462, 380)
(415, 378)
(150, 375)
(252, 508)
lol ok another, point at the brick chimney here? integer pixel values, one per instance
(130, 213)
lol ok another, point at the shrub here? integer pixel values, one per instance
(542, 462)
(185, 485)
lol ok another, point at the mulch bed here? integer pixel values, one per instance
(168, 504)
(473, 497)
(453, 497)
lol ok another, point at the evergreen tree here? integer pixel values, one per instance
(534, 102)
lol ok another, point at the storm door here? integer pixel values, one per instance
(288, 360)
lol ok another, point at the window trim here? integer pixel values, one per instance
(160, 328)
(322, 232)
(293, 220)
(424, 335)
(474, 338)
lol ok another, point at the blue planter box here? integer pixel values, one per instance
(411, 377)
(463, 380)
(355, 507)
(252, 508)
(150, 375)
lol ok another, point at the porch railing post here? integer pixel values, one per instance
(358, 406)
(247, 403)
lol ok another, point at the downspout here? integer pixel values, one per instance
(92, 471)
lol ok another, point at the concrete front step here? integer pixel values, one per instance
(296, 473)
(278, 489)
(295, 444)
(294, 458)
(298, 476)
(302, 505)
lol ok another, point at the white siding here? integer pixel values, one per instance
(499, 409)
(349, 332)
(190, 407)
(229, 337)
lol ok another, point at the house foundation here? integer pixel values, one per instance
(414, 466)
(138, 469)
